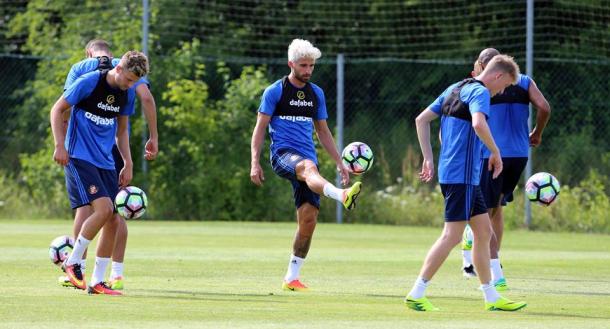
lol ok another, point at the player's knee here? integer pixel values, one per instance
(308, 215)
(309, 221)
(451, 238)
(483, 234)
(105, 210)
(307, 168)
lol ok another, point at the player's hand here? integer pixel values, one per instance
(256, 174)
(125, 176)
(151, 149)
(535, 139)
(344, 171)
(495, 164)
(60, 155)
(427, 171)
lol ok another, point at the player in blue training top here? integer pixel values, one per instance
(463, 108)
(99, 57)
(508, 124)
(292, 107)
(100, 106)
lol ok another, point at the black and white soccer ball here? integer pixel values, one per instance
(358, 157)
(131, 202)
(542, 188)
(60, 249)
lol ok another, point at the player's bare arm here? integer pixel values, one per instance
(258, 137)
(325, 137)
(543, 113)
(60, 154)
(479, 124)
(122, 142)
(149, 108)
(422, 122)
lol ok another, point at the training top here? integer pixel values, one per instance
(92, 127)
(508, 120)
(292, 112)
(460, 158)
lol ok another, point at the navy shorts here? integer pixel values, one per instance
(284, 164)
(86, 182)
(504, 184)
(462, 201)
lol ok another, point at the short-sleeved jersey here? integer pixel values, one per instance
(508, 120)
(92, 127)
(91, 64)
(460, 158)
(292, 112)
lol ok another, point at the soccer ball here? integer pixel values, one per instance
(358, 157)
(60, 249)
(131, 202)
(542, 188)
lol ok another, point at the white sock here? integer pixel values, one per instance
(294, 268)
(80, 246)
(466, 258)
(496, 270)
(99, 270)
(83, 265)
(491, 295)
(117, 270)
(333, 192)
(419, 288)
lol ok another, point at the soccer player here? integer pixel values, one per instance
(508, 124)
(293, 107)
(463, 108)
(100, 106)
(99, 57)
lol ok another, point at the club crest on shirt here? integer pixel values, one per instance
(110, 99)
(92, 189)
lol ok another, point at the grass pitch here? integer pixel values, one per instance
(228, 275)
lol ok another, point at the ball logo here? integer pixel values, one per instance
(300, 95)
(110, 99)
(92, 189)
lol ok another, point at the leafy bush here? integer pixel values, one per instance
(583, 208)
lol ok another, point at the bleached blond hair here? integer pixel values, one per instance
(300, 48)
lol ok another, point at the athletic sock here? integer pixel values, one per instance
(294, 268)
(490, 293)
(419, 288)
(80, 246)
(466, 258)
(496, 270)
(117, 270)
(333, 192)
(99, 270)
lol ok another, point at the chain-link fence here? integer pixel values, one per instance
(399, 56)
(15, 71)
(382, 99)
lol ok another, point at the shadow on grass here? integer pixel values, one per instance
(565, 315)
(558, 292)
(201, 295)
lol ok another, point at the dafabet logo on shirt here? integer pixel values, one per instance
(110, 99)
(300, 94)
